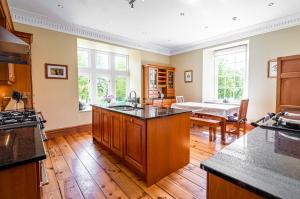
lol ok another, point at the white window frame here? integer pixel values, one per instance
(111, 72)
(210, 73)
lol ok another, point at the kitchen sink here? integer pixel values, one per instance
(125, 108)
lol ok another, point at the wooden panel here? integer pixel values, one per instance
(288, 79)
(20, 182)
(5, 16)
(135, 143)
(220, 188)
(287, 98)
(96, 124)
(168, 141)
(105, 125)
(117, 134)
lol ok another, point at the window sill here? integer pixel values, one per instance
(88, 109)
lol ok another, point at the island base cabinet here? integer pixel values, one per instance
(152, 148)
(220, 188)
(168, 146)
(135, 143)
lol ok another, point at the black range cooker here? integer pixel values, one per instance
(283, 121)
(22, 118)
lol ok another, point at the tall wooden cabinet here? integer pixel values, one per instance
(288, 84)
(158, 79)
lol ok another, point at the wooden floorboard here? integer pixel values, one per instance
(79, 168)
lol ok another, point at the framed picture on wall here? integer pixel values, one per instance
(272, 68)
(188, 76)
(56, 71)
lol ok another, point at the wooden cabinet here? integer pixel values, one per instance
(123, 135)
(7, 73)
(105, 128)
(96, 124)
(135, 143)
(143, 144)
(21, 182)
(158, 79)
(117, 134)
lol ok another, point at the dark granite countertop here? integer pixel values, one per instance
(146, 112)
(19, 146)
(264, 161)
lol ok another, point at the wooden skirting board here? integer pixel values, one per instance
(69, 130)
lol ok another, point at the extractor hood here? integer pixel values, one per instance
(12, 48)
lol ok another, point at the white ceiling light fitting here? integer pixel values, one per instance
(271, 4)
(131, 3)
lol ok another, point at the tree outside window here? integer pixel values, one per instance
(231, 72)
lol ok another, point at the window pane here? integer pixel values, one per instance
(231, 69)
(84, 89)
(102, 89)
(102, 61)
(83, 59)
(121, 63)
(121, 84)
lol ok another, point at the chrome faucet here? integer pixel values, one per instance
(135, 103)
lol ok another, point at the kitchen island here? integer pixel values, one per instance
(262, 164)
(152, 141)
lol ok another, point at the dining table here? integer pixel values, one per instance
(220, 111)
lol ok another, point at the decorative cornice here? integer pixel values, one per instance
(34, 19)
(270, 26)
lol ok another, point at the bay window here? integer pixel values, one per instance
(101, 74)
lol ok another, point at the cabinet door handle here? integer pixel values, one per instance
(44, 175)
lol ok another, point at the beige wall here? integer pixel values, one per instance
(58, 99)
(262, 90)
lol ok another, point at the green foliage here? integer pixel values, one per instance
(83, 87)
(120, 63)
(230, 82)
(121, 89)
(102, 89)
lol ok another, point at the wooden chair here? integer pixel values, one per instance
(212, 125)
(239, 120)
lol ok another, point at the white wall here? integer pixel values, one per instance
(262, 90)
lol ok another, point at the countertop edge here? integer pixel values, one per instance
(22, 162)
(237, 182)
(142, 118)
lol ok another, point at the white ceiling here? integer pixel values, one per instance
(159, 21)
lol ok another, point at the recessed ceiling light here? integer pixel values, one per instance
(60, 5)
(234, 18)
(181, 14)
(271, 4)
